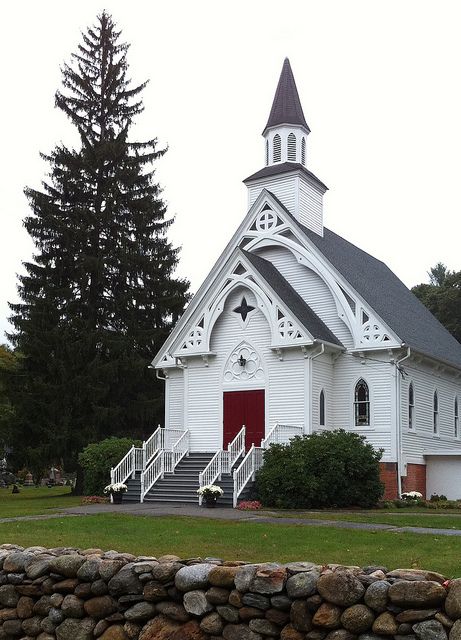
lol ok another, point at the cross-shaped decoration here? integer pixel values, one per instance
(244, 309)
(266, 220)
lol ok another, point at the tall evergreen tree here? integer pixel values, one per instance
(100, 296)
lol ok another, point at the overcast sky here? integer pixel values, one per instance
(380, 87)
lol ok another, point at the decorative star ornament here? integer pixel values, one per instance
(243, 309)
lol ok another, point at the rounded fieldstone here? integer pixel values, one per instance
(453, 601)
(222, 577)
(76, 629)
(229, 613)
(247, 613)
(256, 600)
(300, 616)
(265, 627)
(193, 577)
(31, 626)
(302, 585)
(290, 633)
(67, 566)
(281, 602)
(173, 610)
(89, 571)
(195, 602)
(12, 628)
(297, 567)
(38, 566)
(421, 594)
(430, 630)
(341, 588)
(160, 628)
(268, 579)
(65, 586)
(132, 630)
(165, 571)
(125, 581)
(358, 618)
(376, 595)
(416, 574)
(9, 597)
(235, 598)
(385, 624)
(212, 624)
(239, 632)
(244, 576)
(277, 616)
(108, 568)
(16, 562)
(217, 595)
(327, 616)
(455, 631)
(141, 611)
(100, 607)
(444, 619)
(25, 607)
(415, 615)
(114, 632)
(339, 634)
(56, 615)
(99, 587)
(154, 591)
(72, 607)
(47, 625)
(43, 606)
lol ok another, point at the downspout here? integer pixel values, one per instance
(399, 419)
(309, 404)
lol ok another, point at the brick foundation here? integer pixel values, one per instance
(415, 479)
(388, 475)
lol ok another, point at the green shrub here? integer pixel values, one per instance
(97, 459)
(326, 469)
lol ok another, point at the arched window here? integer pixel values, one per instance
(411, 407)
(456, 418)
(291, 148)
(277, 148)
(322, 408)
(436, 413)
(362, 404)
(303, 151)
(267, 152)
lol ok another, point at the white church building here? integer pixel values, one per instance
(297, 330)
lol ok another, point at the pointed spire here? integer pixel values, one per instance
(286, 108)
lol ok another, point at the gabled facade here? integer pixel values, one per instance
(296, 326)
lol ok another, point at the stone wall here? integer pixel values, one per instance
(69, 594)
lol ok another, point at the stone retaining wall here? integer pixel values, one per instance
(69, 594)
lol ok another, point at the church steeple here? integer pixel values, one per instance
(286, 107)
(285, 174)
(286, 129)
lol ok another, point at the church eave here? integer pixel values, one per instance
(285, 168)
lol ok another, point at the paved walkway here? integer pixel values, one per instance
(263, 517)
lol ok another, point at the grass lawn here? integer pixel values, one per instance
(35, 500)
(442, 519)
(253, 542)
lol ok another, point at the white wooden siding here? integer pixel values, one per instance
(285, 189)
(287, 388)
(378, 375)
(310, 206)
(311, 288)
(175, 399)
(421, 438)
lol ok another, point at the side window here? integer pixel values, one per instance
(436, 413)
(322, 408)
(456, 419)
(362, 404)
(411, 407)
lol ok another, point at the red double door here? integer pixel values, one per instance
(244, 408)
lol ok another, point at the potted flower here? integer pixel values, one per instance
(210, 493)
(116, 490)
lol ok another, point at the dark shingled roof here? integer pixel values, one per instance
(400, 309)
(292, 299)
(286, 108)
(284, 167)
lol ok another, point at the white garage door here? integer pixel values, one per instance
(443, 476)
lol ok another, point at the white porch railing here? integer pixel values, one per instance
(246, 470)
(165, 461)
(281, 434)
(223, 461)
(152, 446)
(125, 467)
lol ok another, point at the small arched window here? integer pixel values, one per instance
(303, 151)
(436, 413)
(456, 419)
(362, 404)
(322, 408)
(411, 407)
(291, 148)
(267, 152)
(277, 148)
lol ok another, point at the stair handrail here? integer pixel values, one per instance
(152, 446)
(252, 462)
(125, 467)
(211, 472)
(281, 434)
(154, 472)
(236, 448)
(180, 448)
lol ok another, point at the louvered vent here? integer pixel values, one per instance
(277, 150)
(303, 151)
(267, 152)
(291, 148)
